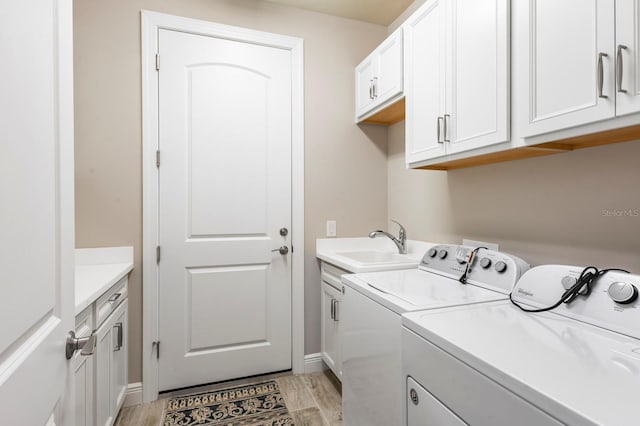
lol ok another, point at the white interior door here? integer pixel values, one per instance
(225, 194)
(36, 213)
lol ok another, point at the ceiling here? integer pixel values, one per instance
(381, 12)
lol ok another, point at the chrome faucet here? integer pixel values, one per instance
(400, 242)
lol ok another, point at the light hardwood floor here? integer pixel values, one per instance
(312, 399)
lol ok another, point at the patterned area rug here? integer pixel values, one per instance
(259, 404)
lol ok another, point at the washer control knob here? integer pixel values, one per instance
(485, 262)
(442, 254)
(500, 266)
(432, 252)
(568, 281)
(623, 293)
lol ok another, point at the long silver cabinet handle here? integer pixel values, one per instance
(118, 325)
(601, 75)
(333, 307)
(375, 87)
(370, 89)
(440, 119)
(336, 305)
(446, 127)
(619, 67)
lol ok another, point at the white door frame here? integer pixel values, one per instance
(152, 22)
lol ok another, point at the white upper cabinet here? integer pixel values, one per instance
(379, 78)
(457, 77)
(567, 64)
(477, 105)
(627, 56)
(425, 82)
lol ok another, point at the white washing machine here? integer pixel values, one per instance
(372, 383)
(493, 364)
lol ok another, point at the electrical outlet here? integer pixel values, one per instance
(331, 228)
(474, 243)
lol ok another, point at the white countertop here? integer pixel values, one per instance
(330, 249)
(97, 269)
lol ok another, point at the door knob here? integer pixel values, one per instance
(282, 250)
(284, 232)
(87, 344)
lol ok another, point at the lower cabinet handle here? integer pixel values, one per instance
(336, 311)
(333, 307)
(601, 75)
(118, 325)
(619, 67)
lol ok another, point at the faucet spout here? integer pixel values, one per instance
(400, 242)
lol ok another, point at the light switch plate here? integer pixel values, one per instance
(331, 228)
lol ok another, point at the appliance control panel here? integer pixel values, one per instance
(613, 302)
(489, 269)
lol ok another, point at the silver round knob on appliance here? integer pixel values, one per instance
(500, 266)
(432, 252)
(485, 262)
(623, 293)
(568, 281)
(442, 254)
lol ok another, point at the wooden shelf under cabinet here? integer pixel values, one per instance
(392, 114)
(579, 142)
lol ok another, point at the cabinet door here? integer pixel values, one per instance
(568, 78)
(389, 81)
(477, 74)
(104, 347)
(330, 340)
(83, 374)
(364, 86)
(627, 56)
(119, 373)
(425, 82)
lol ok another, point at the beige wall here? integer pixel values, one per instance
(546, 210)
(345, 175)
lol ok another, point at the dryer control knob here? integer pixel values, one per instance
(623, 293)
(442, 254)
(568, 281)
(500, 266)
(432, 252)
(485, 262)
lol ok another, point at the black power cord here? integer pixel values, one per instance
(586, 280)
(472, 255)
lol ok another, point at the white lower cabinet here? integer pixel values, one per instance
(331, 300)
(101, 379)
(331, 329)
(83, 372)
(111, 366)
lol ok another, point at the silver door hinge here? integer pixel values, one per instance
(157, 62)
(157, 254)
(156, 345)
(157, 158)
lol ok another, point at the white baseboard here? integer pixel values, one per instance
(133, 395)
(313, 363)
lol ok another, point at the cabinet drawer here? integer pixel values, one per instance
(84, 322)
(332, 275)
(110, 300)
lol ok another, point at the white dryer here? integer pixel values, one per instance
(372, 383)
(494, 365)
